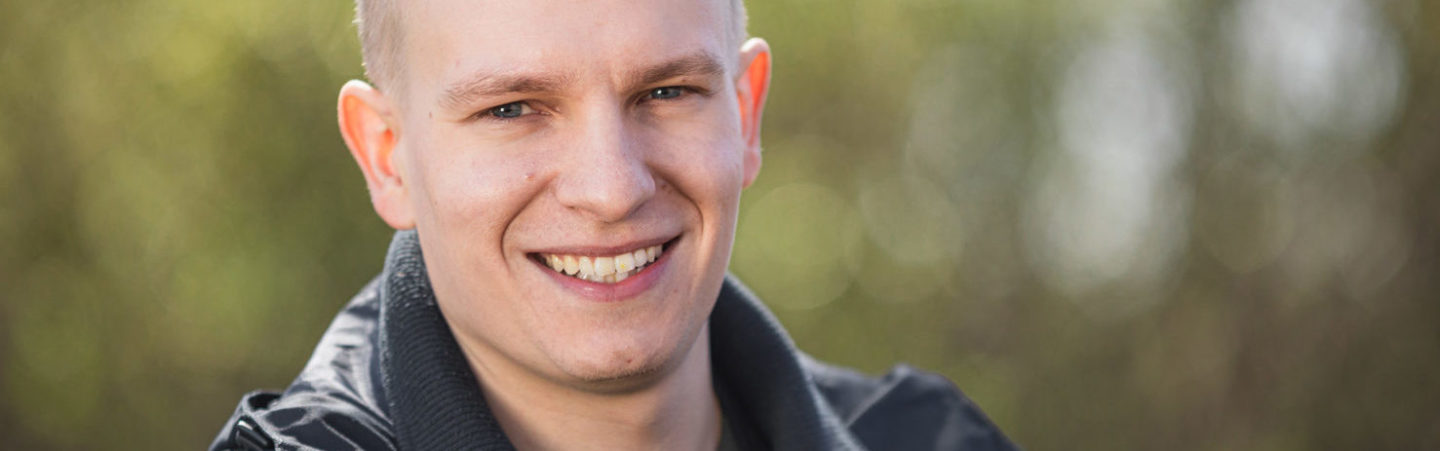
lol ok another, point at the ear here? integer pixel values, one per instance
(370, 126)
(751, 86)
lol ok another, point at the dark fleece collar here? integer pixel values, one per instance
(436, 404)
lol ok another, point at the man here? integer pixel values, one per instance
(572, 172)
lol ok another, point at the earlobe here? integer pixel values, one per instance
(751, 88)
(370, 129)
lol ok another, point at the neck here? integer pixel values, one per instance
(678, 410)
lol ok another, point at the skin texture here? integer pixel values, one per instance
(598, 161)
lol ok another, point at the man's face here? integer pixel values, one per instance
(603, 132)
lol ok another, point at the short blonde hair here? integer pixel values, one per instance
(381, 37)
(378, 23)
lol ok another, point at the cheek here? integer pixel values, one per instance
(718, 177)
(706, 170)
(704, 159)
(468, 196)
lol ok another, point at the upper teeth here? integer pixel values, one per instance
(610, 269)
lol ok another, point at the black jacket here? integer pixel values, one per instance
(388, 375)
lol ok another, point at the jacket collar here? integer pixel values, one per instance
(435, 402)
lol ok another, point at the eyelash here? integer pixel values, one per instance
(649, 95)
(682, 91)
(490, 113)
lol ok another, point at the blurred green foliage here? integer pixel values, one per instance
(1116, 224)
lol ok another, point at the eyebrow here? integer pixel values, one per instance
(486, 84)
(700, 63)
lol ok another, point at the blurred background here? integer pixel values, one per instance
(1116, 224)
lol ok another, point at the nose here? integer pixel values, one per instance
(606, 176)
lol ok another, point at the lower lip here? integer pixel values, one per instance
(613, 292)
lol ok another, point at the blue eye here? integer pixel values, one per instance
(668, 92)
(510, 110)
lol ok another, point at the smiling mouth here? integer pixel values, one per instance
(603, 269)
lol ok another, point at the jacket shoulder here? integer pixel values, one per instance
(268, 421)
(337, 401)
(906, 409)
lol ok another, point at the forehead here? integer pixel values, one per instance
(448, 39)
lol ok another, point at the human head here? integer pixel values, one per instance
(532, 129)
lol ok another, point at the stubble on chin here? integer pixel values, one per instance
(626, 373)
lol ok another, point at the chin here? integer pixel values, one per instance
(627, 365)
